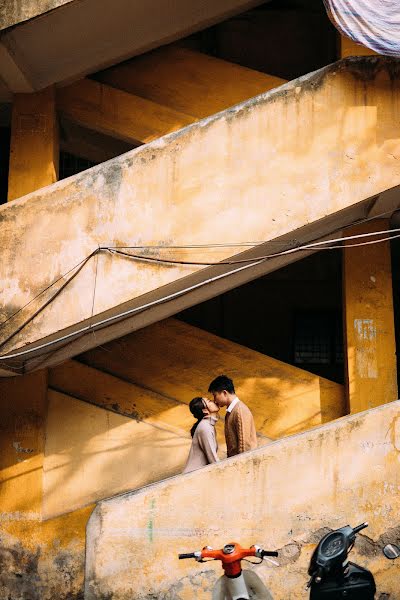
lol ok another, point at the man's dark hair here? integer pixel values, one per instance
(221, 383)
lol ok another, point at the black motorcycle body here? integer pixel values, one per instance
(333, 577)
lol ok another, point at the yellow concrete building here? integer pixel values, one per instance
(186, 190)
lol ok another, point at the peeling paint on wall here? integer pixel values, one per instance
(366, 348)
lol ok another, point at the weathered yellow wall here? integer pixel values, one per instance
(179, 361)
(40, 560)
(264, 168)
(370, 348)
(283, 496)
(92, 453)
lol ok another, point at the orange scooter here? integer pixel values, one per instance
(236, 584)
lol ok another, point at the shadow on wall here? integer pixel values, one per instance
(178, 361)
(92, 453)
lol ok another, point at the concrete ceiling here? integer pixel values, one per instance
(83, 36)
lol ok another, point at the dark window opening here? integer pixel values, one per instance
(318, 339)
(71, 165)
(5, 134)
(293, 314)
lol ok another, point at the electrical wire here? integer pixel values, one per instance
(361, 221)
(117, 249)
(42, 292)
(313, 246)
(48, 301)
(127, 313)
(251, 262)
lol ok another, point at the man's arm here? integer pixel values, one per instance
(240, 431)
(207, 444)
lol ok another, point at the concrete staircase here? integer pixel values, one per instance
(263, 168)
(119, 420)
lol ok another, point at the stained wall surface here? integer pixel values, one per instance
(40, 559)
(92, 453)
(284, 496)
(266, 167)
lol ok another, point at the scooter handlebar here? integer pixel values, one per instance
(360, 527)
(268, 553)
(187, 555)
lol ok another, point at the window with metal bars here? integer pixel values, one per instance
(318, 338)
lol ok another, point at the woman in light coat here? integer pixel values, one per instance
(204, 443)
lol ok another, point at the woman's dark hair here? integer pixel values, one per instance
(196, 408)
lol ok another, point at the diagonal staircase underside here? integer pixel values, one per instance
(261, 173)
(122, 29)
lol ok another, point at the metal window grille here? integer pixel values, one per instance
(318, 339)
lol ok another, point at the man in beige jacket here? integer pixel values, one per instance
(240, 431)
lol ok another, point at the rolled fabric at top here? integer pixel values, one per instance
(372, 23)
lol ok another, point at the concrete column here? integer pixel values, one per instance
(34, 147)
(23, 407)
(370, 347)
(23, 399)
(349, 48)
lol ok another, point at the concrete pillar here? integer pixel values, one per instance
(34, 148)
(349, 48)
(23, 407)
(370, 347)
(23, 399)
(33, 164)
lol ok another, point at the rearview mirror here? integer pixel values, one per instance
(391, 551)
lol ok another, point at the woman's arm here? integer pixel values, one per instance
(207, 443)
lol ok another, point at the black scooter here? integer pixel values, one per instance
(333, 576)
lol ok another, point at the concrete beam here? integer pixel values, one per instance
(13, 79)
(89, 144)
(349, 48)
(188, 81)
(118, 114)
(34, 149)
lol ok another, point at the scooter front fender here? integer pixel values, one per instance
(255, 587)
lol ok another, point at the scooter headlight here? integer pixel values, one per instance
(333, 545)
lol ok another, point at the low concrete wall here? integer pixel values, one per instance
(262, 169)
(283, 496)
